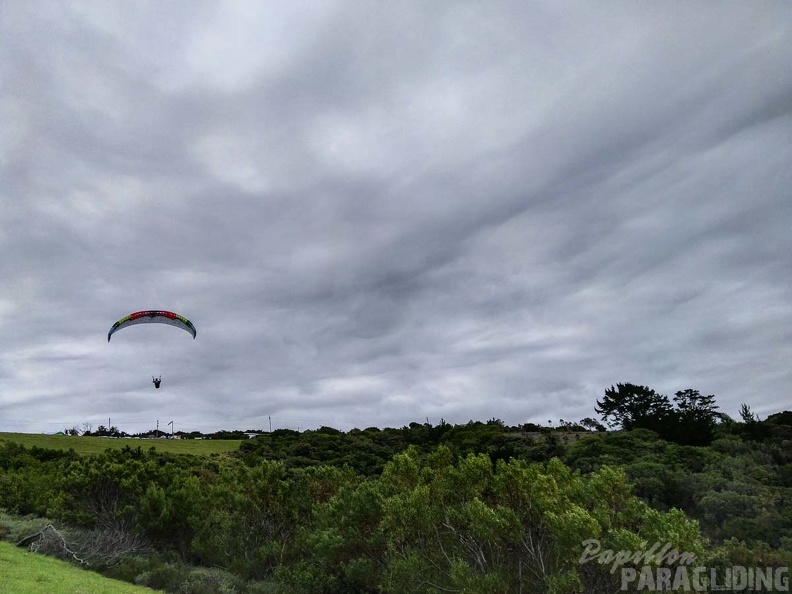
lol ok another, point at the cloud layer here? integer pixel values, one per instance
(381, 213)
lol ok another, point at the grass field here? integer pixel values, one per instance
(96, 445)
(22, 572)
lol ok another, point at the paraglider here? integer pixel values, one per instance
(153, 316)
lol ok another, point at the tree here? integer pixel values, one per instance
(690, 420)
(753, 428)
(629, 406)
(696, 418)
(747, 415)
(103, 431)
(781, 418)
(590, 424)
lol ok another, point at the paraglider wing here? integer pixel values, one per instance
(153, 316)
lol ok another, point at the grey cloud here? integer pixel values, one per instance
(377, 215)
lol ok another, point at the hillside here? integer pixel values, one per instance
(393, 509)
(22, 572)
(96, 445)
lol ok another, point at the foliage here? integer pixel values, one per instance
(368, 451)
(629, 406)
(429, 525)
(14, 528)
(102, 431)
(479, 507)
(736, 488)
(690, 419)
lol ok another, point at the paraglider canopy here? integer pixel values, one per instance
(153, 316)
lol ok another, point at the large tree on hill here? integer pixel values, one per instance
(689, 420)
(629, 406)
(695, 418)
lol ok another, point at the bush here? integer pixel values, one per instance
(15, 528)
(204, 580)
(166, 573)
(166, 576)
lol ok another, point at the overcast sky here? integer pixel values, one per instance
(381, 212)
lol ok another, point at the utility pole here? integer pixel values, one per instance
(270, 422)
(156, 434)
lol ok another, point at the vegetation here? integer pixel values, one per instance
(480, 507)
(690, 419)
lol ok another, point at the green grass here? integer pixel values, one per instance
(22, 572)
(97, 445)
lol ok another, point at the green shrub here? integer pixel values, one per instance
(166, 576)
(171, 575)
(15, 528)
